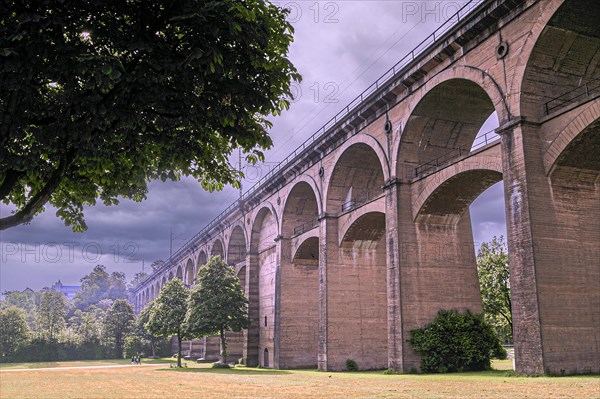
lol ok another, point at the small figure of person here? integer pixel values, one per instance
(139, 360)
(133, 359)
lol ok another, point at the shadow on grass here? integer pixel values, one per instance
(231, 371)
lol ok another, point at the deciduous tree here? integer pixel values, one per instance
(99, 285)
(99, 97)
(217, 303)
(117, 323)
(22, 300)
(494, 283)
(50, 314)
(14, 331)
(167, 315)
(140, 328)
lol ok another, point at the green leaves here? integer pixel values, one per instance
(50, 314)
(167, 314)
(455, 342)
(494, 283)
(117, 324)
(150, 91)
(217, 301)
(14, 331)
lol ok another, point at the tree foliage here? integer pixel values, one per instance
(494, 274)
(25, 301)
(167, 314)
(146, 337)
(86, 325)
(217, 303)
(455, 342)
(14, 331)
(50, 315)
(99, 285)
(99, 97)
(117, 324)
(138, 279)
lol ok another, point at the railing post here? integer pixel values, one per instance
(587, 90)
(546, 107)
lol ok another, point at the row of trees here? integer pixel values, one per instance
(214, 305)
(100, 323)
(91, 334)
(97, 323)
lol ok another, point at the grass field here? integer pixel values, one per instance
(79, 363)
(159, 381)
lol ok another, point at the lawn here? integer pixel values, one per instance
(79, 363)
(158, 381)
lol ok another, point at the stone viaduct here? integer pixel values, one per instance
(363, 233)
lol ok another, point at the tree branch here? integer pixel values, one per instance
(11, 178)
(41, 197)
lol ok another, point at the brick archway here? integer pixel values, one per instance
(570, 133)
(445, 116)
(483, 172)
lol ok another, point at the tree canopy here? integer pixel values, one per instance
(168, 312)
(97, 98)
(14, 331)
(494, 273)
(50, 314)
(117, 324)
(217, 303)
(142, 332)
(99, 285)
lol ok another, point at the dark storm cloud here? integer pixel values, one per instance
(347, 46)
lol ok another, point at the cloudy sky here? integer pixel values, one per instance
(340, 48)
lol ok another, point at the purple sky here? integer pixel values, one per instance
(340, 48)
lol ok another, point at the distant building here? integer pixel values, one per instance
(27, 291)
(68, 290)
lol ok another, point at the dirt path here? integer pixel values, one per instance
(86, 367)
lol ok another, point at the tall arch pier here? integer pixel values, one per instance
(364, 232)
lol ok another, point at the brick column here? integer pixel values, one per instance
(280, 243)
(394, 300)
(520, 167)
(408, 264)
(554, 241)
(251, 337)
(327, 229)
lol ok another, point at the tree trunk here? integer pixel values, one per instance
(178, 350)
(223, 346)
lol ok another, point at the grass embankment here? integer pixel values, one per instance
(199, 380)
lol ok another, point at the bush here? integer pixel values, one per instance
(42, 350)
(455, 342)
(390, 372)
(500, 353)
(351, 365)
